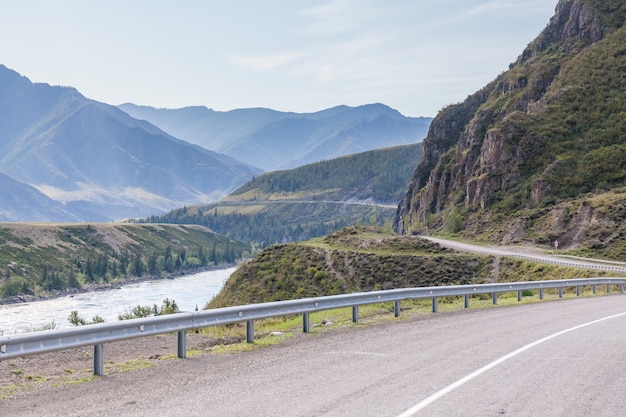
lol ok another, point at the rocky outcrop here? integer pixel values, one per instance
(480, 153)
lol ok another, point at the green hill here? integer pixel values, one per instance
(379, 176)
(360, 258)
(42, 260)
(310, 201)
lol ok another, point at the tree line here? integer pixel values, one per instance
(110, 266)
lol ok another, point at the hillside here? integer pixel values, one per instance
(42, 259)
(275, 140)
(378, 176)
(350, 260)
(310, 201)
(99, 162)
(358, 259)
(540, 153)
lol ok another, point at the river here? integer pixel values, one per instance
(188, 291)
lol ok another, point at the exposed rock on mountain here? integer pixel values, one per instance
(276, 140)
(98, 160)
(548, 130)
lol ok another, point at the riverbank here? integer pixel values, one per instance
(190, 292)
(115, 284)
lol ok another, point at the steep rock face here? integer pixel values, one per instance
(486, 150)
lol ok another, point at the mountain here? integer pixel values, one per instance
(309, 201)
(97, 160)
(538, 154)
(378, 176)
(276, 140)
(21, 202)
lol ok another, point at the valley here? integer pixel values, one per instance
(533, 157)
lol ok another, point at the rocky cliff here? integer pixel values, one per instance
(548, 129)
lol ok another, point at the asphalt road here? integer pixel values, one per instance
(558, 358)
(535, 254)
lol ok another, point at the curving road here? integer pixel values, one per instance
(533, 254)
(561, 358)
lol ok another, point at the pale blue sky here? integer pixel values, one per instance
(290, 55)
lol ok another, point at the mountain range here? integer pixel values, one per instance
(98, 161)
(95, 162)
(275, 140)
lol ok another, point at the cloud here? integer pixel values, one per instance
(340, 16)
(265, 62)
(500, 8)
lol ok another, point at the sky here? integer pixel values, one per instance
(415, 56)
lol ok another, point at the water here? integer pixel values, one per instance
(188, 292)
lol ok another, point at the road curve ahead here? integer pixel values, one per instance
(559, 358)
(533, 254)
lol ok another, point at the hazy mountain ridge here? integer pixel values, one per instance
(21, 202)
(516, 159)
(281, 140)
(100, 161)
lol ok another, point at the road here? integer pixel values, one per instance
(531, 254)
(560, 358)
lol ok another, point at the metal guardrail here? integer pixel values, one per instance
(97, 334)
(570, 263)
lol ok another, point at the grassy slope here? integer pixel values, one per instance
(365, 259)
(44, 259)
(379, 176)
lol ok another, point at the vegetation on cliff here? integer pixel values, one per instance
(538, 154)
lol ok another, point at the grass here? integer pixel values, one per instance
(128, 366)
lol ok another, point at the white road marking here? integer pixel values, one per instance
(426, 402)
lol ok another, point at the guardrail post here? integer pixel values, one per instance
(435, 304)
(466, 302)
(98, 360)
(494, 298)
(306, 322)
(519, 295)
(355, 314)
(182, 344)
(608, 288)
(396, 308)
(593, 288)
(621, 288)
(560, 292)
(250, 331)
(541, 293)
(578, 291)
